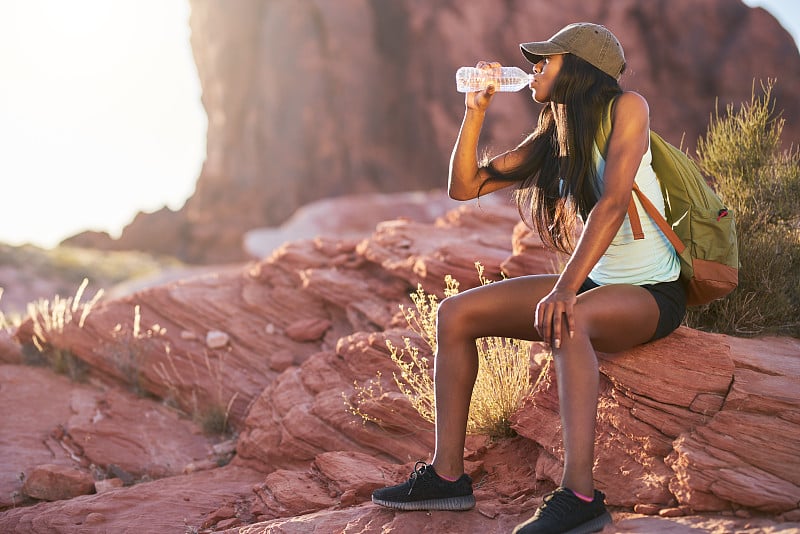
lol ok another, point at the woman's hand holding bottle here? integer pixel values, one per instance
(480, 100)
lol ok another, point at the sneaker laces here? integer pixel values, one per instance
(417, 474)
(555, 506)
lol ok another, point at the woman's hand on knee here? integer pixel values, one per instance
(551, 312)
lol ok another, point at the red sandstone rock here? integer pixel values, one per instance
(167, 505)
(148, 439)
(26, 425)
(308, 329)
(215, 339)
(305, 462)
(289, 128)
(9, 351)
(101, 486)
(348, 217)
(647, 509)
(670, 512)
(50, 482)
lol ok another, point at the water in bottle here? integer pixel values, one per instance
(511, 79)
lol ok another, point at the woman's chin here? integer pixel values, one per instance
(536, 98)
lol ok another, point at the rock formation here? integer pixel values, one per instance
(314, 99)
(697, 429)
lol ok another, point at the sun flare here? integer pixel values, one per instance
(100, 115)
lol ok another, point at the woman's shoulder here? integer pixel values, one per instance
(631, 102)
(631, 108)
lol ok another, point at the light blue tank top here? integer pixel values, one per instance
(637, 261)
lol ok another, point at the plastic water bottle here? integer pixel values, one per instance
(469, 79)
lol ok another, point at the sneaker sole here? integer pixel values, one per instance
(453, 504)
(595, 525)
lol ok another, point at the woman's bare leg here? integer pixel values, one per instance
(609, 318)
(505, 309)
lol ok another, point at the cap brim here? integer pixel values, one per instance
(534, 52)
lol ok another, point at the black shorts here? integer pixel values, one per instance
(671, 300)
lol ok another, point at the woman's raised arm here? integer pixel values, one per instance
(465, 176)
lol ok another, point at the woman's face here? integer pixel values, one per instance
(545, 74)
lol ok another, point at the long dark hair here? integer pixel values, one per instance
(557, 177)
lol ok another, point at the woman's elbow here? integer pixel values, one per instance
(457, 194)
(460, 189)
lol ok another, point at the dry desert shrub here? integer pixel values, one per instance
(760, 182)
(502, 383)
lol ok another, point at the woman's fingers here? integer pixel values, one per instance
(549, 321)
(559, 311)
(544, 321)
(481, 99)
(496, 73)
(571, 319)
(493, 71)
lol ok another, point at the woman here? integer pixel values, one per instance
(614, 293)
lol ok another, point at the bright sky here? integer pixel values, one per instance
(100, 113)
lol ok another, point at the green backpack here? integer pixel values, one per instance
(698, 224)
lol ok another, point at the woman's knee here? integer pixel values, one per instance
(452, 317)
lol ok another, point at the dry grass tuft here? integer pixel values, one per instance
(210, 411)
(503, 378)
(6, 323)
(49, 318)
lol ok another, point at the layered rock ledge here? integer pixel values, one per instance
(697, 429)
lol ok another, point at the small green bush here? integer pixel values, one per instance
(760, 182)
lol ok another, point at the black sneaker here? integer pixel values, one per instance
(564, 513)
(425, 490)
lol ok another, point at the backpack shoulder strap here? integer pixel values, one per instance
(604, 128)
(601, 139)
(659, 219)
